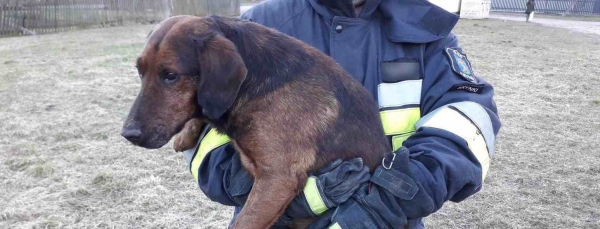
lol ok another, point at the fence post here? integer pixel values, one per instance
(70, 15)
(62, 15)
(2, 18)
(13, 19)
(117, 8)
(28, 16)
(37, 16)
(8, 19)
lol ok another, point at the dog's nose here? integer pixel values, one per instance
(132, 133)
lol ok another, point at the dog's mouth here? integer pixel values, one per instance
(155, 138)
(154, 141)
(161, 137)
(158, 135)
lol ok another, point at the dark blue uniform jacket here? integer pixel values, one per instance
(394, 48)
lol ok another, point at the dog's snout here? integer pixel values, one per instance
(132, 133)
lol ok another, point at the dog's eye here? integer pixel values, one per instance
(139, 73)
(171, 77)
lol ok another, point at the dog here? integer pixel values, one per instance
(288, 108)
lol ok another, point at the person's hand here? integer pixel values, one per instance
(354, 213)
(334, 184)
(393, 196)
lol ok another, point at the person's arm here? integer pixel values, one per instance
(216, 167)
(446, 159)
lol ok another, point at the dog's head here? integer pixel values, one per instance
(188, 69)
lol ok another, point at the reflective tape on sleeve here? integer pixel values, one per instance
(335, 226)
(399, 121)
(480, 117)
(464, 125)
(211, 141)
(313, 196)
(399, 94)
(191, 152)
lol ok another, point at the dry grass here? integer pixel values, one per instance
(63, 98)
(546, 172)
(571, 17)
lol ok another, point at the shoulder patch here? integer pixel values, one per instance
(460, 64)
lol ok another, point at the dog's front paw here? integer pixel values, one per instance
(187, 137)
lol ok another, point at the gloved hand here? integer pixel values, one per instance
(354, 213)
(331, 186)
(393, 197)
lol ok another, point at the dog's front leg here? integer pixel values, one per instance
(187, 137)
(268, 199)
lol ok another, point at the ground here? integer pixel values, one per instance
(63, 98)
(571, 17)
(587, 24)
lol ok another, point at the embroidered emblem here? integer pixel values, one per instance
(460, 64)
(468, 87)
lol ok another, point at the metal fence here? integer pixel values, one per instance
(27, 17)
(579, 7)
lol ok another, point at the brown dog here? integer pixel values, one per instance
(288, 108)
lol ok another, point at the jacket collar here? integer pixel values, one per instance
(343, 8)
(410, 21)
(416, 21)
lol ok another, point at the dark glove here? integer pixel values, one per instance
(397, 195)
(394, 197)
(354, 213)
(332, 185)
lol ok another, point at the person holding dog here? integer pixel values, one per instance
(438, 115)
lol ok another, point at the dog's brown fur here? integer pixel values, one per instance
(288, 108)
(188, 136)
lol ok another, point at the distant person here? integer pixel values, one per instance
(529, 10)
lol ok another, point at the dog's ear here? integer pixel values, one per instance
(222, 72)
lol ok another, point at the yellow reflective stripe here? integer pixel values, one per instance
(452, 121)
(335, 226)
(211, 141)
(400, 121)
(399, 139)
(313, 197)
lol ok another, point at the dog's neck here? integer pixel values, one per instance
(288, 55)
(252, 40)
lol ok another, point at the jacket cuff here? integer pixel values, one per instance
(398, 195)
(237, 181)
(313, 196)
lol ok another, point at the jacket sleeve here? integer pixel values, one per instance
(454, 143)
(449, 155)
(216, 167)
